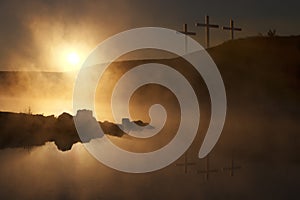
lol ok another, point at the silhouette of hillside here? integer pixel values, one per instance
(262, 80)
(261, 75)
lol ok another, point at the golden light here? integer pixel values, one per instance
(73, 58)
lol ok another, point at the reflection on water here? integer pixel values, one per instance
(44, 172)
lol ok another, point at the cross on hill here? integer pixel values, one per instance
(186, 32)
(207, 26)
(231, 28)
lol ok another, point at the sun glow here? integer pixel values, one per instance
(73, 58)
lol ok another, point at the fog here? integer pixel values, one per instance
(261, 133)
(39, 92)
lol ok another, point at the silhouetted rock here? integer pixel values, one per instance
(27, 130)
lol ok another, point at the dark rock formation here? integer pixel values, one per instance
(27, 130)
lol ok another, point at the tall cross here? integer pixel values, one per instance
(231, 28)
(207, 26)
(231, 168)
(186, 32)
(185, 164)
(207, 170)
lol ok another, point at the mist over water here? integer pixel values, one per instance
(38, 92)
(261, 134)
(36, 106)
(45, 172)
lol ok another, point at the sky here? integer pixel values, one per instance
(41, 35)
(51, 35)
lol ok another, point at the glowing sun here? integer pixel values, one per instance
(73, 58)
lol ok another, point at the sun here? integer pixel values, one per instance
(73, 58)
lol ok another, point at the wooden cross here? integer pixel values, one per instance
(207, 170)
(186, 32)
(185, 164)
(231, 28)
(231, 168)
(207, 26)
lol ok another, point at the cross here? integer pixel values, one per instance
(231, 168)
(185, 164)
(207, 170)
(186, 32)
(207, 26)
(231, 28)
